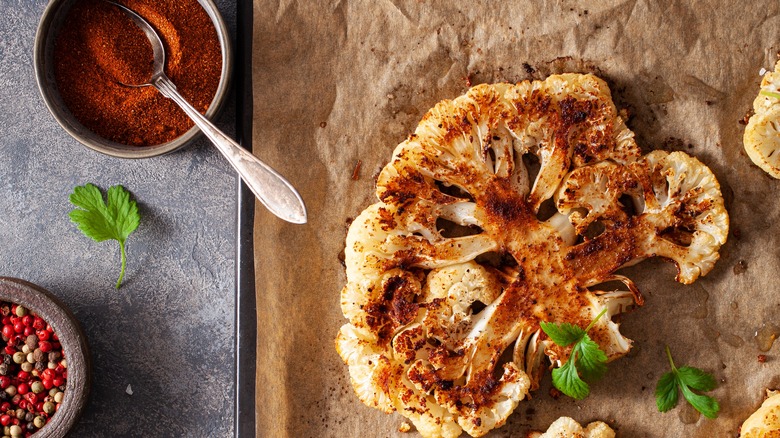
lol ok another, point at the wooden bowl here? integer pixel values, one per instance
(74, 346)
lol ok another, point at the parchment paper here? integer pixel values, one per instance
(336, 83)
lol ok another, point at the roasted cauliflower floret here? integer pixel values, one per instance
(671, 195)
(765, 422)
(566, 427)
(762, 133)
(451, 272)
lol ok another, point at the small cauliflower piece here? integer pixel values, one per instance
(762, 133)
(566, 427)
(765, 422)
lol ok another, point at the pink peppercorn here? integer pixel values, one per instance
(45, 346)
(39, 323)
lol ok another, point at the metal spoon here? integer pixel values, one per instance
(273, 191)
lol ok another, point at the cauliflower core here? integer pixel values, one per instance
(509, 206)
(762, 133)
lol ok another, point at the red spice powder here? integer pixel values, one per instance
(99, 49)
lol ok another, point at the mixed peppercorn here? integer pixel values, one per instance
(33, 372)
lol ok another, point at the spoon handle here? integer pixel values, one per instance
(273, 191)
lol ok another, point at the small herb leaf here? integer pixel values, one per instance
(101, 221)
(586, 360)
(708, 406)
(592, 362)
(568, 381)
(563, 334)
(685, 379)
(666, 394)
(696, 379)
(124, 210)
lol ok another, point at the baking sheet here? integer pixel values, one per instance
(246, 322)
(337, 83)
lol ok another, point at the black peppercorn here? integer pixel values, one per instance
(31, 342)
(7, 359)
(29, 416)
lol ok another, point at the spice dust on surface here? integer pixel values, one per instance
(98, 49)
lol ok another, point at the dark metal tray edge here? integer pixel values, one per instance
(246, 315)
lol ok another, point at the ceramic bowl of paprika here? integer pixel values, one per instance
(133, 122)
(40, 303)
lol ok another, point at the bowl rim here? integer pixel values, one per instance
(91, 140)
(74, 343)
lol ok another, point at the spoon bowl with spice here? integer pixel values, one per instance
(271, 188)
(82, 46)
(118, 104)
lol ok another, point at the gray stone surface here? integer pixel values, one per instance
(168, 332)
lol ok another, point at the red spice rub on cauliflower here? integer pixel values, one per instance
(507, 207)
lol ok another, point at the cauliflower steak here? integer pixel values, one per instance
(509, 206)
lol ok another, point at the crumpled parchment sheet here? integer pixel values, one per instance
(337, 83)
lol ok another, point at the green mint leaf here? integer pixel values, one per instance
(101, 221)
(568, 381)
(562, 334)
(666, 394)
(708, 406)
(591, 362)
(696, 378)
